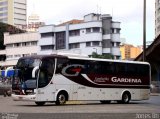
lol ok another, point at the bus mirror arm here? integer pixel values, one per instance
(34, 71)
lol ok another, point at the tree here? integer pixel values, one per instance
(104, 56)
(7, 28)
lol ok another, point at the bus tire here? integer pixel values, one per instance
(126, 97)
(61, 98)
(105, 101)
(40, 103)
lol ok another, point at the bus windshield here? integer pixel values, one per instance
(23, 78)
(28, 62)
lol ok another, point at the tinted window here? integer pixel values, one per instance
(61, 62)
(143, 70)
(99, 67)
(137, 70)
(28, 62)
(121, 68)
(46, 72)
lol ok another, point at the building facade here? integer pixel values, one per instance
(157, 17)
(129, 52)
(19, 45)
(96, 33)
(13, 12)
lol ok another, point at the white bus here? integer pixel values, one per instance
(59, 78)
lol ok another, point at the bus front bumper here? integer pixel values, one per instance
(24, 97)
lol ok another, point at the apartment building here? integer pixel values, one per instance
(19, 45)
(13, 12)
(129, 52)
(95, 33)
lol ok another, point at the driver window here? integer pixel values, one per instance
(46, 72)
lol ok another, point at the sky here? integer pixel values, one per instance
(128, 12)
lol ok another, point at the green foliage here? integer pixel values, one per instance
(7, 28)
(104, 56)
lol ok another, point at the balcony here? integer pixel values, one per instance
(108, 36)
(115, 24)
(107, 50)
(115, 37)
(47, 41)
(115, 51)
(86, 38)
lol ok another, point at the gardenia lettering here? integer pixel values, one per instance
(127, 80)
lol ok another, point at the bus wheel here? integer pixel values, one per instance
(126, 97)
(61, 99)
(105, 101)
(40, 103)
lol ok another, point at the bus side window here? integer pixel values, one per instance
(61, 63)
(143, 70)
(107, 67)
(121, 68)
(93, 67)
(132, 70)
(81, 63)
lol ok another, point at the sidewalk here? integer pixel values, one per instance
(155, 94)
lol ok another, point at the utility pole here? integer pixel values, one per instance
(144, 30)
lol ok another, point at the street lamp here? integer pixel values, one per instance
(144, 30)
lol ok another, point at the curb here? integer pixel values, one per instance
(73, 102)
(155, 94)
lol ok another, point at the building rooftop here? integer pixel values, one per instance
(74, 21)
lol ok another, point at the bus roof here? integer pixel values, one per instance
(109, 60)
(43, 56)
(82, 58)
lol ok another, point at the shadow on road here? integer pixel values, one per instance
(114, 103)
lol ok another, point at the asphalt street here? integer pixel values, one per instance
(147, 109)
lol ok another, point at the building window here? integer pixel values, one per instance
(96, 29)
(158, 20)
(26, 44)
(17, 44)
(43, 35)
(74, 33)
(118, 30)
(158, 11)
(24, 55)
(3, 3)
(74, 45)
(2, 57)
(115, 30)
(3, 14)
(88, 30)
(117, 44)
(3, 8)
(158, 28)
(4, 20)
(88, 44)
(34, 43)
(9, 56)
(112, 30)
(112, 44)
(95, 43)
(18, 55)
(60, 40)
(9, 46)
(33, 53)
(47, 47)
